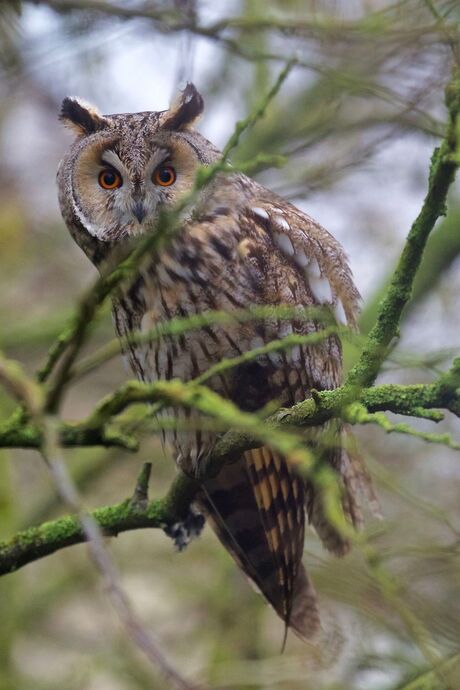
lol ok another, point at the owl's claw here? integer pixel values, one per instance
(183, 532)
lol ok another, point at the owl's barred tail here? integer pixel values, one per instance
(256, 507)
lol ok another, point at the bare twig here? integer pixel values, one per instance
(100, 557)
(442, 174)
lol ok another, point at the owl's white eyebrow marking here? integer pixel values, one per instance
(158, 157)
(166, 157)
(109, 157)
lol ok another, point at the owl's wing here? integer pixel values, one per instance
(294, 240)
(297, 262)
(270, 254)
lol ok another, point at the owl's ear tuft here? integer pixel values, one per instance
(185, 111)
(81, 117)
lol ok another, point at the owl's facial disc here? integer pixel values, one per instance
(135, 193)
(118, 196)
(122, 168)
(121, 183)
(157, 177)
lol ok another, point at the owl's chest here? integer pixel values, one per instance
(177, 336)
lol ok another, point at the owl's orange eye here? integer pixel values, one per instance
(164, 175)
(110, 179)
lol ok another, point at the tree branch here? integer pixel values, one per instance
(37, 542)
(442, 174)
(354, 402)
(168, 21)
(99, 429)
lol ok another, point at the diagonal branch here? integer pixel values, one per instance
(19, 385)
(37, 542)
(442, 174)
(100, 557)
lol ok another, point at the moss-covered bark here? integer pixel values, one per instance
(37, 542)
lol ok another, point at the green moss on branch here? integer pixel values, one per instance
(442, 173)
(99, 429)
(18, 433)
(34, 543)
(416, 400)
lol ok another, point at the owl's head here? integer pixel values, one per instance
(123, 168)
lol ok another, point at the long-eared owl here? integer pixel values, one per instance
(242, 246)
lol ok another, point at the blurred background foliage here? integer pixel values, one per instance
(356, 123)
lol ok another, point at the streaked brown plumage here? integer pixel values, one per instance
(242, 246)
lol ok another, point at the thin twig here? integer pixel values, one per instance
(181, 325)
(19, 385)
(101, 559)
(442, 174)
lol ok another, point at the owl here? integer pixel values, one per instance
(240, 247)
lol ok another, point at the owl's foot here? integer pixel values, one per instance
(183, 532)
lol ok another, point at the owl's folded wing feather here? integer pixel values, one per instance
(311, 269)
(319, 259)
(268, 253)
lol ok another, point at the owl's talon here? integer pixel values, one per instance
(183, 532)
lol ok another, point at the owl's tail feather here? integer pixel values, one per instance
(256, 506)
(357, 493)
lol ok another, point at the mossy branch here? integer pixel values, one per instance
(37, 542)
(99, 429)
(357, 401)
(41, 541)
(442, 173)
(49, 537)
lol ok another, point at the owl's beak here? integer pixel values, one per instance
(139, 211)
